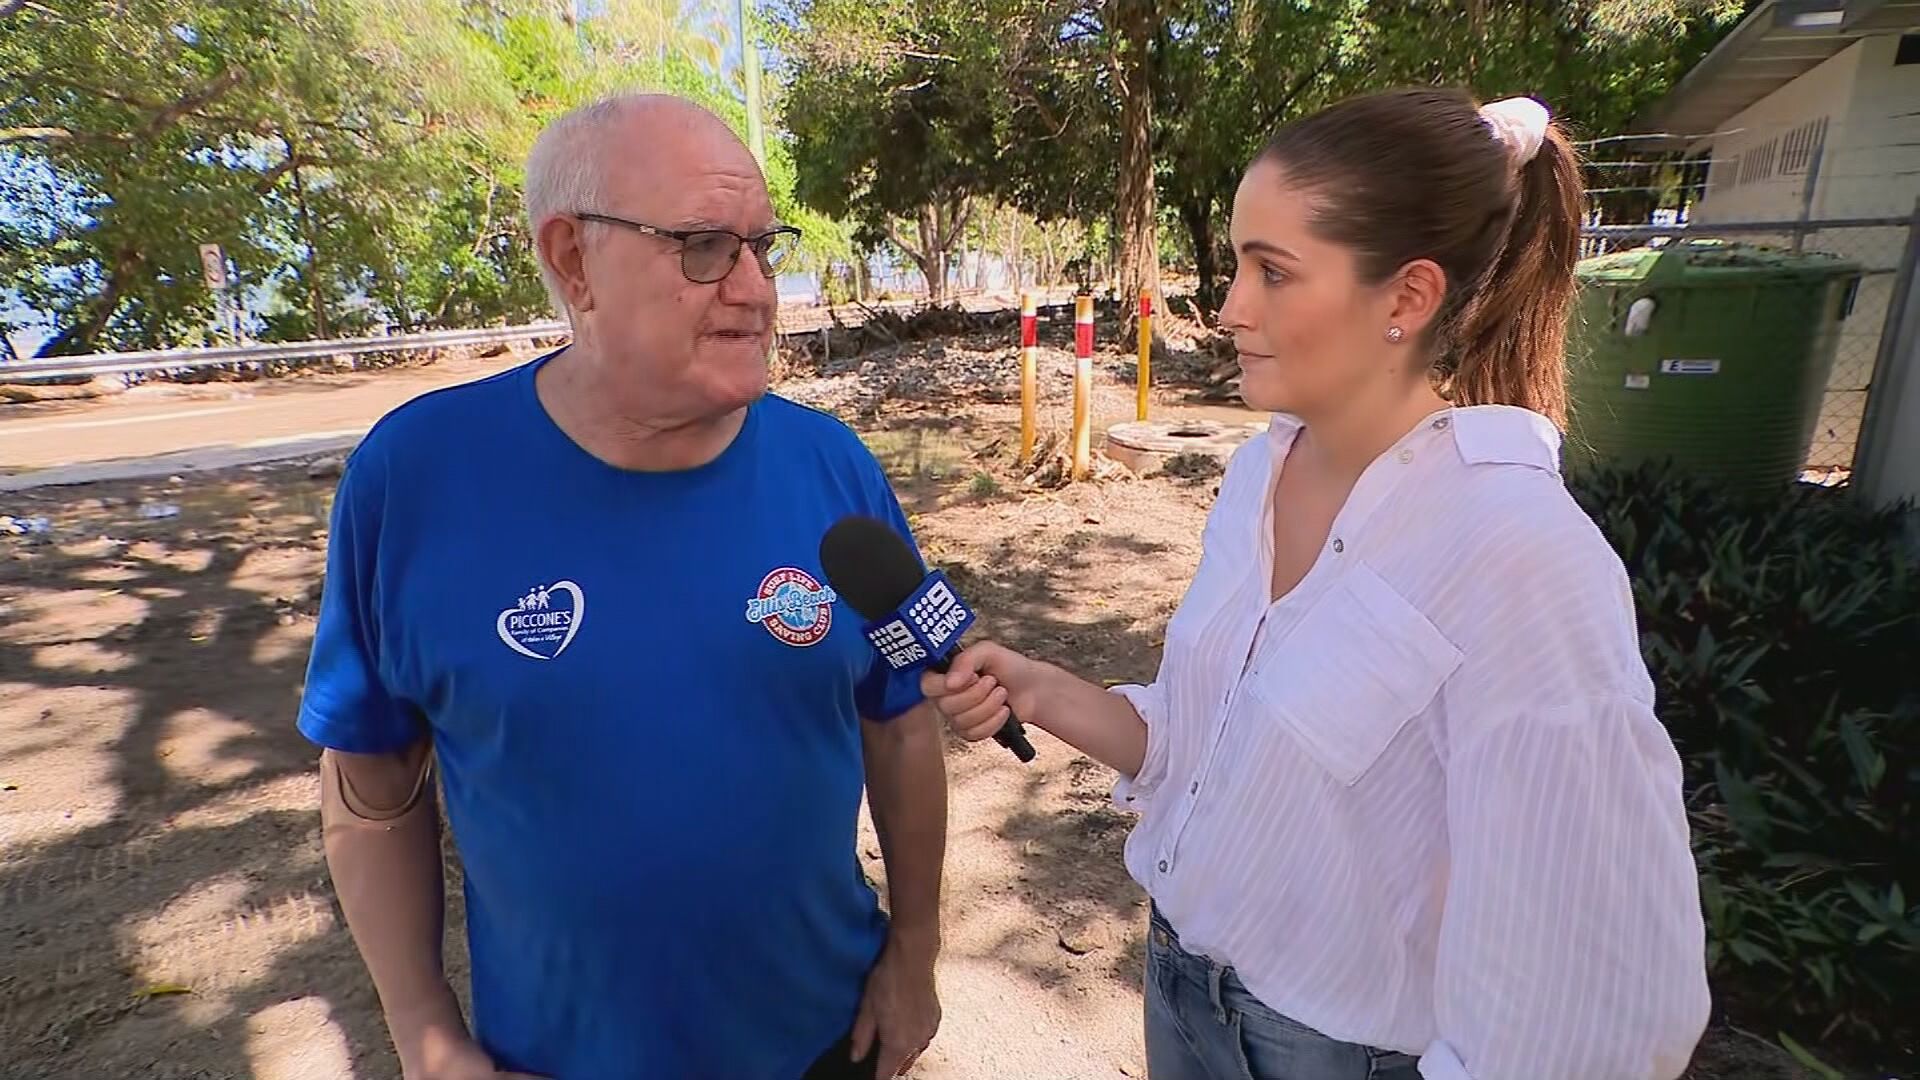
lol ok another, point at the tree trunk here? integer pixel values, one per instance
(1139, 269)
(938, 229)
(932, 257)
(1198, 218)
(315, 295)
(1016, 259)
(78, 338)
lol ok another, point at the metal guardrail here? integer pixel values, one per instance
(126, 363)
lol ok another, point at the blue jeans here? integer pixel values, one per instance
(1203, 1024)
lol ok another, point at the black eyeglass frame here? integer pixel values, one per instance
(760, 242)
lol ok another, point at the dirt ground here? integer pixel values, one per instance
(164, 907)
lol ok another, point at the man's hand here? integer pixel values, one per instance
(900, 1012)
(448, 1055)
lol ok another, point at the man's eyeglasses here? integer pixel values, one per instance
(708, 255)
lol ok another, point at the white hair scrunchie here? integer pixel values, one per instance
(1521, 123)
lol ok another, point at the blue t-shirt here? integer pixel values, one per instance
(646, 707)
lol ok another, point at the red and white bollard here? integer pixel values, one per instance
(1029, 339)
(1144, 373)
(1082, 386)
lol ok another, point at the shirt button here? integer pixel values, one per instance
(1195, 789)
(1339, 545)
(1163, 866)
(1406, 456)
(1443, 423)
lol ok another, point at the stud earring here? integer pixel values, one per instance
(1396, 335)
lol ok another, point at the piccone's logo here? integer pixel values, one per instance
(542, 623)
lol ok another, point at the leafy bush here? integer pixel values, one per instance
(1784, 637)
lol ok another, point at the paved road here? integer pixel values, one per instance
(160, 429)
(163, 429)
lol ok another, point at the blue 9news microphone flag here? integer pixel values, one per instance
(915, 618)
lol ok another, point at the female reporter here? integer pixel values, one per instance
(1405, 807)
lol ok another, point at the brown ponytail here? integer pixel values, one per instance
(1416, 174)
(1509, 345)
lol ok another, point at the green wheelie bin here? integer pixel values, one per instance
(1710, 354)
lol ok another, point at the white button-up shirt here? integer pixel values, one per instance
(1422, 801)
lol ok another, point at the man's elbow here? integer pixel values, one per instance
(375, 787)
(918, 727)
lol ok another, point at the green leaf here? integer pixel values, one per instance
(1744, 805)
(1868, 902)
(165, 989)
(1868, 765)
(1801, 1055)
(1755, 955)
(1704, 649)
(1822, 972)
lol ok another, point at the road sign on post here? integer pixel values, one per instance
(213, 266)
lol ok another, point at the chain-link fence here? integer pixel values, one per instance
(1879, 246)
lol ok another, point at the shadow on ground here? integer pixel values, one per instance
(161, 884)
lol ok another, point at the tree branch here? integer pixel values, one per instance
(53, 134)
(191, 102)
(893, 234)
(956, 223)
(1293, 93)
(486, 220)
(274, 175)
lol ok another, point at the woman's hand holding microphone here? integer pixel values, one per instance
(989, 682)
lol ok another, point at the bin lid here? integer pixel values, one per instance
(1709, 261)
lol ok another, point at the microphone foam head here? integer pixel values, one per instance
(870, 565)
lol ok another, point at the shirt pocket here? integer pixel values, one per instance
(1348, 677)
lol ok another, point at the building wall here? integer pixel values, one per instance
(1755, 174)
(1873, 157)
(1859, 114)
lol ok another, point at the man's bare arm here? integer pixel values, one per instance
(907, 792)
(381, 829)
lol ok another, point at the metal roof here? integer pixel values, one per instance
(1775, 44)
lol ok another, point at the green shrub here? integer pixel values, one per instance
(1784, 637)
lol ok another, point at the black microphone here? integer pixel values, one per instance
(915, 618)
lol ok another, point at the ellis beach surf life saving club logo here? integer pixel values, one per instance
(793, 606)
(543, 623)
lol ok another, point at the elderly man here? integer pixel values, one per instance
(586, 592)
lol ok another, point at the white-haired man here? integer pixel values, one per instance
(654, 798)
